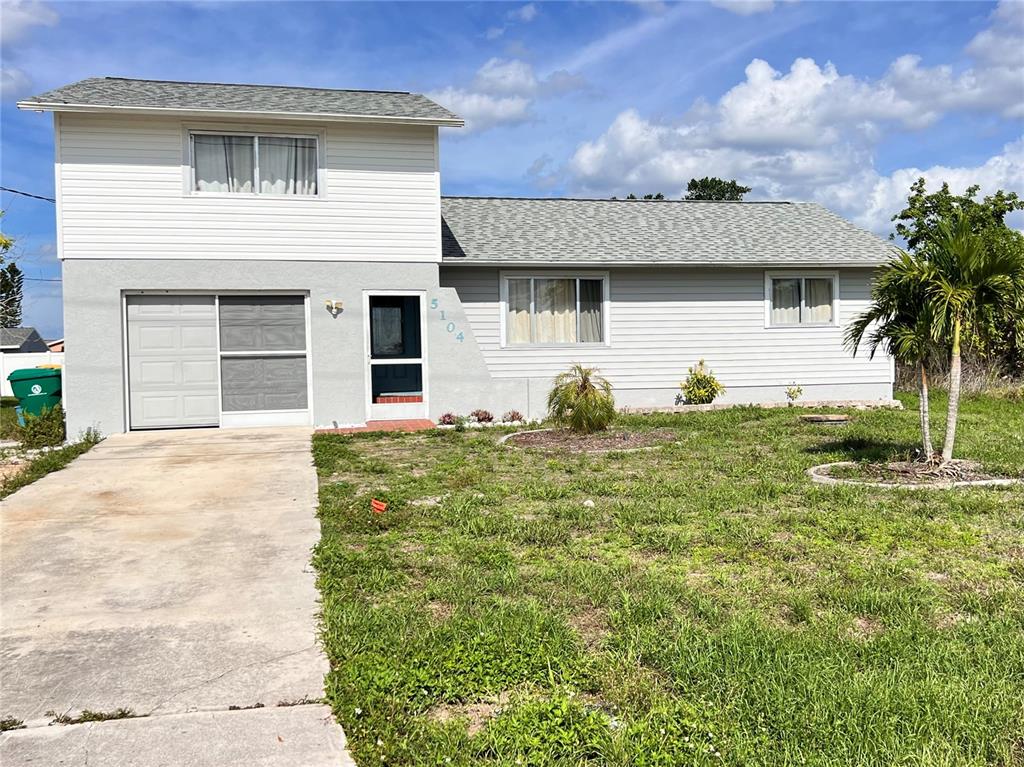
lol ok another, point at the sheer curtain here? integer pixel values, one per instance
(591, 300)
(786, 302)
(287, 165)
(517, 319)
(819, 301)
(223, 163)
(555, 311)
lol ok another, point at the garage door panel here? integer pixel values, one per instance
(172, 361)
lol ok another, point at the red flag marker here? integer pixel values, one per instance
(379, 507)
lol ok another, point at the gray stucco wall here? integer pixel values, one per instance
(94, 386)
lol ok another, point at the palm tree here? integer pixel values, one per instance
(581, 400)
(900, 320)
(965, 279)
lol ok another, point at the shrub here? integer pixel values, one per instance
(701, 387)
(482, 416)
(44, 430)
(512, 416)
(581, 400)
(793, 393)
(448, 419)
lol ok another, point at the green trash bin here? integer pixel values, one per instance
(36, 388)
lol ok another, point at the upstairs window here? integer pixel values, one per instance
(254, 164)
(801, 300)
(554, 310)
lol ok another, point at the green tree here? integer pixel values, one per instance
(11, 294)
(711, 188)
(993, 333)
(966, 279)
(581, 400)
(901, 322)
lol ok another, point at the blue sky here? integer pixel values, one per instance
(843, 103)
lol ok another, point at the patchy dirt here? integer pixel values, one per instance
(440, 611)
(9, 470)
(863, 628)
(592, 626)
(476, 715)
(563, 440)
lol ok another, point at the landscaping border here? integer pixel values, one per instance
(816, 475)
(891, 404)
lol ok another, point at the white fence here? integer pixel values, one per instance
(12, 362)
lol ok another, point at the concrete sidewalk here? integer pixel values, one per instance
(167, 573)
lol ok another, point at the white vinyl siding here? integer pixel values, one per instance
(125, 192)
(661, 321)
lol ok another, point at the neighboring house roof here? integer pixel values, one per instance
(512, 231)
(21, 339)
(156, 96)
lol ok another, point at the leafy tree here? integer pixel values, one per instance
(994, 333)
(581, 400)
(901, 322)
(11, 294)
(966, 278)
(711, 188)
(655, 196)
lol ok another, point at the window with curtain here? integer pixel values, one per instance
(554, 310)
(802, 301)
(277, 165)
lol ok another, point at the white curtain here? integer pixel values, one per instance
(591, 301)
(223, 163)
(287, 165)
(555, 311)
(786, 302)
(517, 318)
(819, 301)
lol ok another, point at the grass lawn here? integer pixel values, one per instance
(712, 606)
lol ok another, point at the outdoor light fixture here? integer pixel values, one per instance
(335, 307)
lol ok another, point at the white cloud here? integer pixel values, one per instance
(811, 133)
(18, 16)
(502, 92)
(14, 82)
(744, 7)
(526, 13)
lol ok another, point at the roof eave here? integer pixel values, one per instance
(505, 263)
(52, 106)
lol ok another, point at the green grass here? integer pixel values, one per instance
(43, 464)
(8, 418)
(712, 606)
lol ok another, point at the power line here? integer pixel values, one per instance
(27, 194)
(42, 279)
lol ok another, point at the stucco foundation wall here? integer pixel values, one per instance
(94, 386)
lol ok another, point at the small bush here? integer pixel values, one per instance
(581, 400)
(448, 419)
(793, 393)
(701, 387)
(482, 416)
(512, 416)
(45, 430)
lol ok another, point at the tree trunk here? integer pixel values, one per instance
(954, 395)
(926, 428)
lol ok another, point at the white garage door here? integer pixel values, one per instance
(172, 361)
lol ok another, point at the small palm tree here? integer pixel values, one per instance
(966, 279)
(581, 400)
(900, 320)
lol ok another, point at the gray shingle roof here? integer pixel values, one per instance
(16, 337)
(539, 231)
(122, 93)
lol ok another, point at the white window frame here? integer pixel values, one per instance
(190, 170)
(802, 275)
(504, 277)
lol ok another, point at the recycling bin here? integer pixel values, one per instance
(37, 389)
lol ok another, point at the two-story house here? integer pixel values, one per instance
(239, 255)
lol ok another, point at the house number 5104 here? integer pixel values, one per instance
(450, 326)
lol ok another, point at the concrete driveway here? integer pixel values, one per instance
(167, 573)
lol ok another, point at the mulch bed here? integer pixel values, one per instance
(915, 472)
(563, 440)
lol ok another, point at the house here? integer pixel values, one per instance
(55, 345)
(21, 341)
(241, 255)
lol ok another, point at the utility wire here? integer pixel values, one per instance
(26, 194)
